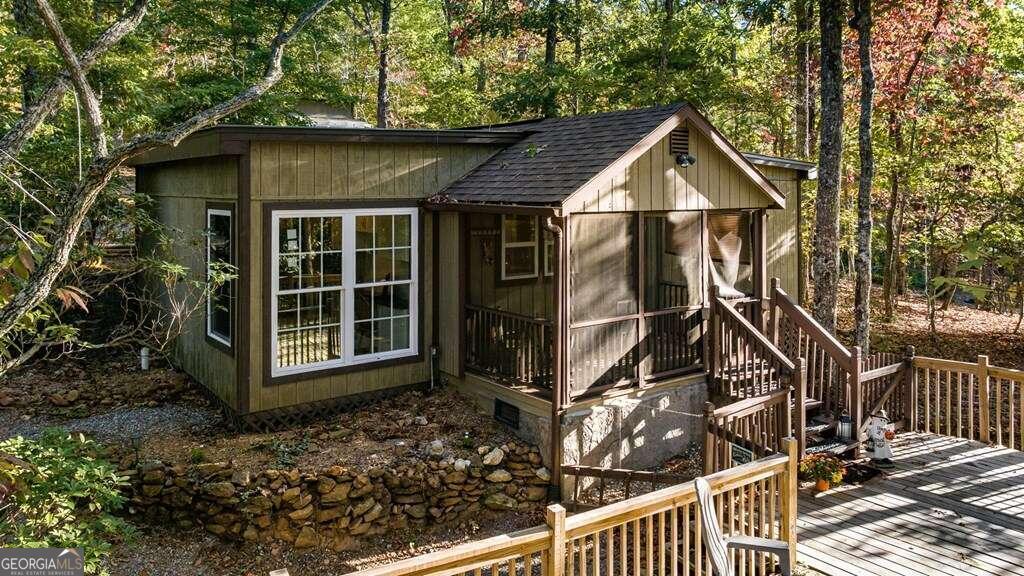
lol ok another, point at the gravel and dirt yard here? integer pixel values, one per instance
(159, 414)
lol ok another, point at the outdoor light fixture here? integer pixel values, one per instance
(845, 429)
(685, 160)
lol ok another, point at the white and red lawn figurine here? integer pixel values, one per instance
(880, 432)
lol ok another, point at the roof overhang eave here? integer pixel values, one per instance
(492, 207)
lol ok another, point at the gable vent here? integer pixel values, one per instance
(679, 141)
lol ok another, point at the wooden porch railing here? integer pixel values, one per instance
(967, 400)
(747, 367)
(594, 486)
(655, 533)
(511, 348)
(798, 335)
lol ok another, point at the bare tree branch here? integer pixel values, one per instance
(14, 139)
(93, 114)
(102, 169)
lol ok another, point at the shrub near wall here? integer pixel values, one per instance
(334, 507)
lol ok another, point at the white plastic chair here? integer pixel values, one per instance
(718, 546)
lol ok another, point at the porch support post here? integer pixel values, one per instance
(761, 267)
(559, 380)
(856, 397)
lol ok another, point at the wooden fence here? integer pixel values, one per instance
(655, 534)
(967, 400)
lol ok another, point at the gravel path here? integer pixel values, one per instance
(120, 425)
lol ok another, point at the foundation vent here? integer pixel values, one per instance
(506, 413)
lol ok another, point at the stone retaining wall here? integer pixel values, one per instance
(336, 506)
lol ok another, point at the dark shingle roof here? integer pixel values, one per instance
(558, 156)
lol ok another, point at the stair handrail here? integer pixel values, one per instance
(723, 306)
(790, 379)
(781, 300)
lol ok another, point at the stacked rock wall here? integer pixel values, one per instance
(334, 507)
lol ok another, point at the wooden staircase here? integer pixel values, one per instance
(750, 365)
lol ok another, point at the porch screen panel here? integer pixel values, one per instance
(674, 341)
(602, 260)
(603, 355)
(604, 306)
(672, 266)
(731, 252)
(673, 292)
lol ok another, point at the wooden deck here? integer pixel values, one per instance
(952, 506)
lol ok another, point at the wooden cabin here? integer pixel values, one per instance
(557, 271)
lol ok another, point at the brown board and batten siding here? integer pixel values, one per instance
(653, 182)
(181, 191)
(287, 171)
(781, 232)
(533, 297)
(451, 276)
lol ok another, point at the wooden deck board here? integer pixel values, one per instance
(951, 506)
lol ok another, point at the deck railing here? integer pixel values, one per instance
(967, 400)
(655, 533)
(758, 425)
(511, 348)
(594, 486)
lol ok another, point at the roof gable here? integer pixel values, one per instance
(558, 157)
(566, 161)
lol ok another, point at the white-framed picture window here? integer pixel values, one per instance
(519, 235)
(219, 256)
(344, 286)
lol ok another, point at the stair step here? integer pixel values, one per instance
(831, 446)
(819, 428)
(812, 404)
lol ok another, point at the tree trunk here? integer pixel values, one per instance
(892, 233)
(802, 131)
(577, 54)
(383, 97)
(862, 293)
(1020, 307)
(825, 249)
(666, 40)
(550, 106)
(23, 25)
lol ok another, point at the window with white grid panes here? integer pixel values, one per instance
(343, 287)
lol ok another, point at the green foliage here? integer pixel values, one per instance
(286, 452)
(65, 496)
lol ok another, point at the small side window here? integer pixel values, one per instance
(219, 261)
(518, 247)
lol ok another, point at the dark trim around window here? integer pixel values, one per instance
(218, 344)
(266, 278)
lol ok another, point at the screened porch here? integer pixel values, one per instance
(634, 302)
